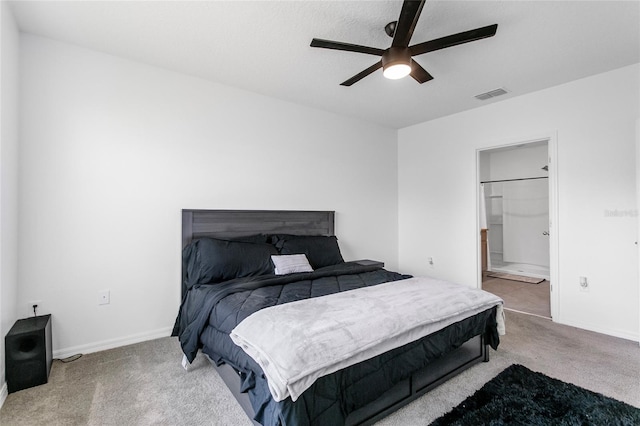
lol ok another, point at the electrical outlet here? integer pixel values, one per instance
(104, 297)
(39, 308)
(584, 284)
(430, 262)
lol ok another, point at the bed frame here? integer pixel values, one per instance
(237, 223)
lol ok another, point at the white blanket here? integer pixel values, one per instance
(297, 342)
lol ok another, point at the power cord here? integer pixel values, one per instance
(67, 359)
(70, 358)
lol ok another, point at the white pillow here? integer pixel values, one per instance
(288, 264)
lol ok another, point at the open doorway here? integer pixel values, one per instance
(515, 225)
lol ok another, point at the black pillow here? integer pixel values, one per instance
(209, 260)
(320, 250)
(256, 238)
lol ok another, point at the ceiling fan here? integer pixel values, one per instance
(397, 61)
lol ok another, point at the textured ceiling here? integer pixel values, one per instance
(264, 47)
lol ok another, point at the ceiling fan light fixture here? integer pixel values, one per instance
(397, 60)
(396, 63)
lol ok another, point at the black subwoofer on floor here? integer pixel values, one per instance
(28, 353)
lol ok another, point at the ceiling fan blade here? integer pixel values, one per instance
(407, 22)
(454, 40)
(356, 78)
(337, 45)
(419, 74)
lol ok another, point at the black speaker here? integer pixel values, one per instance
(28, 353)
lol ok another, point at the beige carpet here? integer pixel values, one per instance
(144, 384)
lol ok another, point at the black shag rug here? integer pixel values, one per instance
(519, 396)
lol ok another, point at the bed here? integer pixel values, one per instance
(359, 393)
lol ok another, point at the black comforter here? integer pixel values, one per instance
(209, 313)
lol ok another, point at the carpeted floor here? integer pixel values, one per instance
(144, 384)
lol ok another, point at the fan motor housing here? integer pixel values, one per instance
(396, 55)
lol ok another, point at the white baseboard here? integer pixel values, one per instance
(623, 334)
(112, 343)
(4, 392)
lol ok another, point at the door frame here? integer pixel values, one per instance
(638, 197)
(554, 229)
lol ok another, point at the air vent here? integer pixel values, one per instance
(491, 94)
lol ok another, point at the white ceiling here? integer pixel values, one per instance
(264, 47)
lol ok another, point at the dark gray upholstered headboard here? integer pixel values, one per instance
(238, 223)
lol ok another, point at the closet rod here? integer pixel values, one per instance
(511, 180)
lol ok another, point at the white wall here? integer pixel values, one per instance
(9, 37)
(111, 151)
(594, 120)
